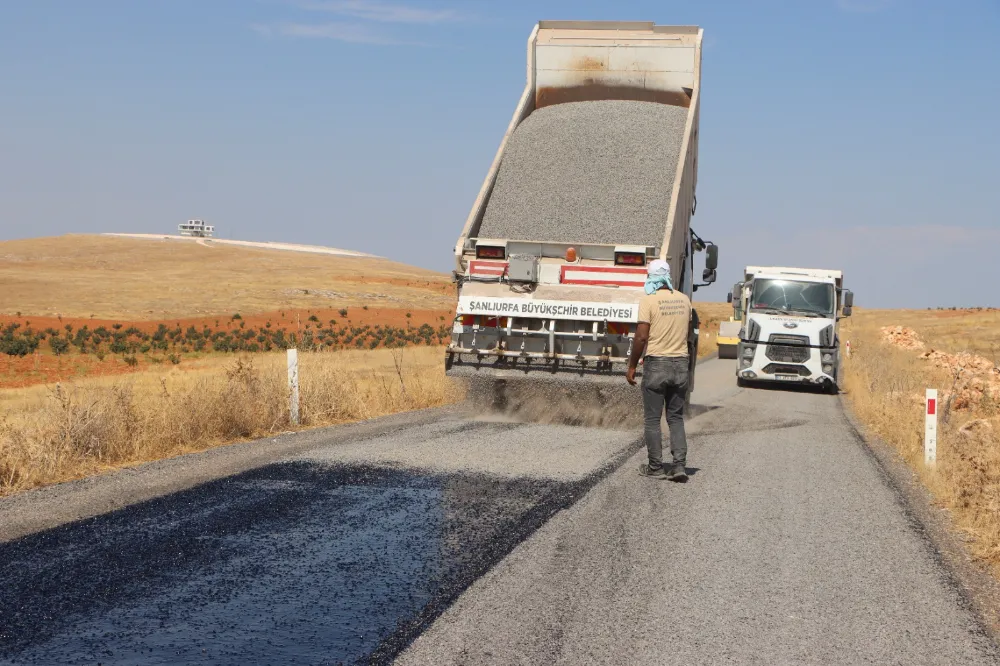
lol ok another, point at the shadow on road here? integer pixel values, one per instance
(781, 387)
(291, 563)
(698, 410)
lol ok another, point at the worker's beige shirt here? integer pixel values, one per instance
(668, 314)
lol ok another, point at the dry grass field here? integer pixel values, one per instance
(59, 432)
(899, 354)
(123, 350)
(140, 324)
(710, 314)
(103, 277)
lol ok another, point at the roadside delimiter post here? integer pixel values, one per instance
(293, 386)
(930, 428)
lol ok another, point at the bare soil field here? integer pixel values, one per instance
(81, 306)
(897, 355)
(310, 329)
(129, 279)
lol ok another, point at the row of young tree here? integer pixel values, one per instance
(16, 340)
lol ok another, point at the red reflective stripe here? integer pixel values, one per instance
(931, 407)
(620, 283)
(488, 267)
(596, 280)
(605, 269)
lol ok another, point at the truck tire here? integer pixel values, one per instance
(692, 359)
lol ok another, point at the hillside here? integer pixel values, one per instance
(103, 277)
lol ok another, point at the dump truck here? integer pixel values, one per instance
(790, 330)
(594, 178)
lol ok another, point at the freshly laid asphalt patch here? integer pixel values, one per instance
(294, 563)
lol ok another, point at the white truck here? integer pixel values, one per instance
(790, 325)
(548, 302)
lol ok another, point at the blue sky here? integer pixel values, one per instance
(837, 133)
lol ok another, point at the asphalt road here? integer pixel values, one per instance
(437, 538)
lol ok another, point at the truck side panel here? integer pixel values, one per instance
(643, 62)
(524, 107)
(682, 203)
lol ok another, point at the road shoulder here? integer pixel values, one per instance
(974, 582)
(51, 506)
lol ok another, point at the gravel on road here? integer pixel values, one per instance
(786, 547)
(293, 563)
(588, 172)
(337, 546)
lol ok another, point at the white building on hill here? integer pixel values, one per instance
(196, 228)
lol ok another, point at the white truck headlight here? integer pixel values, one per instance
(828, 369)
(748, 352)
(747, 362)
(827, 357)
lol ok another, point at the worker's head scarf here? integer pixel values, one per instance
(658, 276)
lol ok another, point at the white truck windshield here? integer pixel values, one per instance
(793, 296)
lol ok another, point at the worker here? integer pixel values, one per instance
(661, 341)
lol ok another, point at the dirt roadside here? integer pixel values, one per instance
(44, 508)
(973, 581)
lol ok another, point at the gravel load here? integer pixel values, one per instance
(588, 172)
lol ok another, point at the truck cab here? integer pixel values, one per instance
(790, 330)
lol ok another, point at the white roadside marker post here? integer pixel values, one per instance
(848, 349)
(293, 386)
(930, 428)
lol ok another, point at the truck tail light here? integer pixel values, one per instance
(490, 252)
(630, 259)
(484, 321)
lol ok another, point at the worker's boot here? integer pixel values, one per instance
(678, 473)
(658, 473)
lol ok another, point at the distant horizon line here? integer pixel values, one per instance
(269, 245)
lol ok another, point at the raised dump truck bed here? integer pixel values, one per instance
(594, 178)
(588, 172)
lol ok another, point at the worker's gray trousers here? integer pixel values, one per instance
(664, 385)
